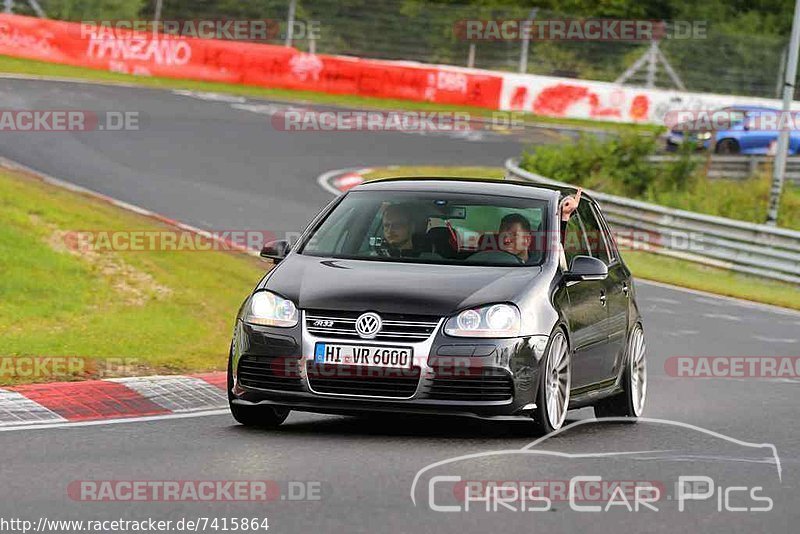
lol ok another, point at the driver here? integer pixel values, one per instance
(398, 232)
(515, 236)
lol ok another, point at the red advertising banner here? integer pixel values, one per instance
(148, 54)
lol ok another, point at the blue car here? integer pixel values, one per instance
(744, 133)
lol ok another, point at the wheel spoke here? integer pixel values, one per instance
(638, 371)
(557, 381)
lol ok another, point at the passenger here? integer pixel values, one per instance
(515, 236)
(567, 207)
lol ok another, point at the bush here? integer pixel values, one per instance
(79, 10)
(619, 166)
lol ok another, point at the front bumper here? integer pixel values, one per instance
(483, 378)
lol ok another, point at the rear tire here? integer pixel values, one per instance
(630, 402)
(253, 416)
(555, 380)
(727, 146)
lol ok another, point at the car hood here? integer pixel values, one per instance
(389, 287)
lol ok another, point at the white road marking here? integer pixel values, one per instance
(706, 300)
(655, 309)
(209, 96)
(47, 426)
(679, 333)
(732, 300)
(324, 179)
(84, 81)
(52, 180)
(723, 316)
(661, 299)
(776, 339)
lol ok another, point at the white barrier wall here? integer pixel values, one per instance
(584, 99)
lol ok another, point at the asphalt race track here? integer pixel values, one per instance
(218, 166)
(211, 164)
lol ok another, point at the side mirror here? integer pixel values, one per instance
(275, 250)
(586, 268)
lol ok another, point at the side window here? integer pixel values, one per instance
(594, 233)
(575, 240)
(610, 241)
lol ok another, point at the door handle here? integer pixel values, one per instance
(603, 298)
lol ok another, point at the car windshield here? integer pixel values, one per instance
(439, 228)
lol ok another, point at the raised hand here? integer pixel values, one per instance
(570, 204)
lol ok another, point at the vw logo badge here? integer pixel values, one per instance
(368, 325)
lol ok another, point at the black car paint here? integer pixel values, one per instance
(595, 315)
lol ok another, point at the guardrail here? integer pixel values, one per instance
(738, 167)
(738, 246)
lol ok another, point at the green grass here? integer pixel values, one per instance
(159, 311)
(14, 65)
(659, 268)
(745, 200)
(647, 266)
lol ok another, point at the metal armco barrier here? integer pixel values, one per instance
(738, 246)
(739, 167)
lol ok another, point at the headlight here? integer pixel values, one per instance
(704, 136)
(498, 320)
(268, 309)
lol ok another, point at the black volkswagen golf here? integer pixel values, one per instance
(437, 296)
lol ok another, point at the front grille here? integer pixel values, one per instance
(485, 385)
(396, 327)
(265, 372)
(365, 381)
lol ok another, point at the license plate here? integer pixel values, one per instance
(363, 355)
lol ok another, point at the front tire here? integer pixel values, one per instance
(555, 380)
(630, 402)
(253, 416)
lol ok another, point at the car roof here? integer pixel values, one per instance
(485, 186)
(751, 108)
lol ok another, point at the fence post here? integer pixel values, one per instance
(526, 40)
(752, 165)
(779, 165)
(290, 22)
